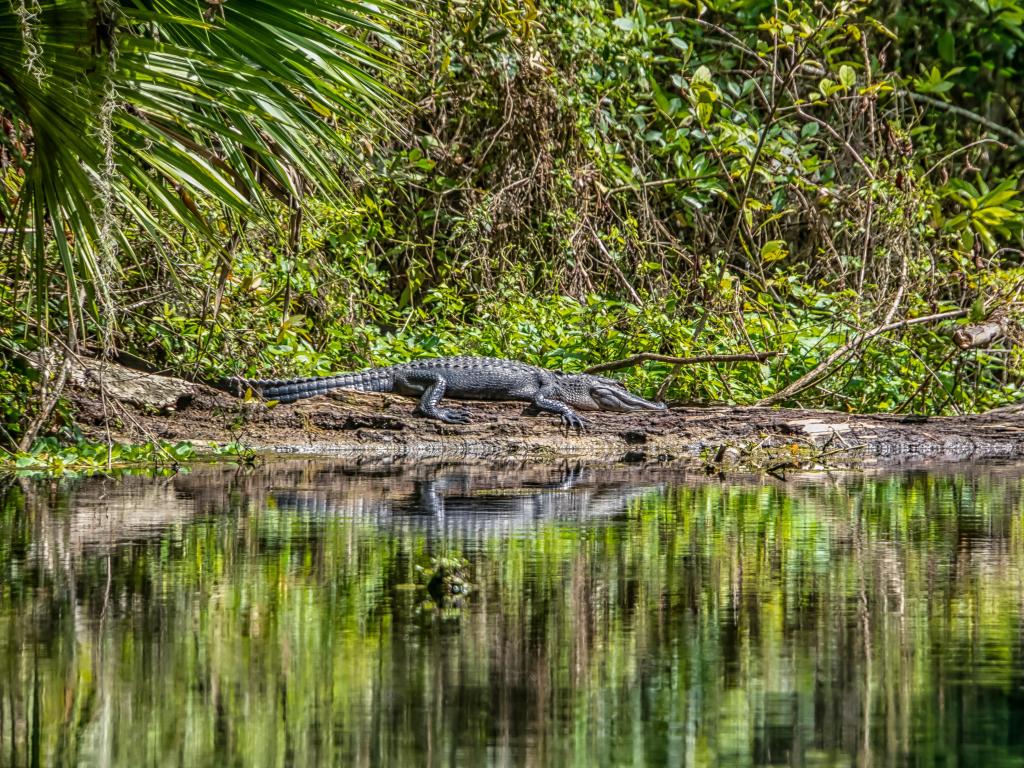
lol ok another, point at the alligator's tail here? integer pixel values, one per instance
(289, 390)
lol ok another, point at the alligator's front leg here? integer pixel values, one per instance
(435, 389)
(543, 401)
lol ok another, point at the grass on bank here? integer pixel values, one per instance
(50, 457)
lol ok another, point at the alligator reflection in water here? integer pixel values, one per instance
(472, 504)
(275, 617)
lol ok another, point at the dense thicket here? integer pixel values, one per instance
(577, 181)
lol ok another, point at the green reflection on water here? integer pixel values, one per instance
(279, 617)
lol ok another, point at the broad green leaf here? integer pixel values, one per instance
(946, 46)
(774, 250)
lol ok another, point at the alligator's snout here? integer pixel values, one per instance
(618, 399)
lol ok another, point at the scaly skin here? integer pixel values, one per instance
(471, 378)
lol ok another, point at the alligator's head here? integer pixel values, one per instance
(596, 393)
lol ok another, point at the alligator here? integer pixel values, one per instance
(470, 378)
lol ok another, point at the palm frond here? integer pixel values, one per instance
(165, 109)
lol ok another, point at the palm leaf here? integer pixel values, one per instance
(215, 107)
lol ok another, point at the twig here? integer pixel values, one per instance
(924, 364)
(509, 110)
(49, 397)
(766, 129)
(995, 127)
(925, 382)
(144, 302)
(766, 126)
(660, 183)
(667, 382)
(958, 150)
(615, 268)
(630, 361)
(820, 370)
(12, 443)
(836, 135)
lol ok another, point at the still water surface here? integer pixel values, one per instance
(575, 616)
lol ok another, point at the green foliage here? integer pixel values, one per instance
(760, 173)
(49, 457)
(993, 217)
(968, 53)
(561, 332)
(131, 126)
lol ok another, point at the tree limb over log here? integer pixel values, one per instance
(821, 370)
(626, 362)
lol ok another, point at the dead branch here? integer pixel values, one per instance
(626, 362)
(999, 324)
(839, 138)
(1002, 130)
(49, 394)
(681, 181)
(822, 369)
(615, 268)
(973, 336)
(1003, 411)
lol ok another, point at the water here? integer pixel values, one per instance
(576, 616)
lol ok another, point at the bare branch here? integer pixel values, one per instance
(627, 362)
(1002, 130)
(661, 183)
(1002, 322)
(974, 336)
(615, 268)
(822, 369)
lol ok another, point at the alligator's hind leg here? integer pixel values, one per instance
(435, 389)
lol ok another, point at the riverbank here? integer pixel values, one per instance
(115, 403)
